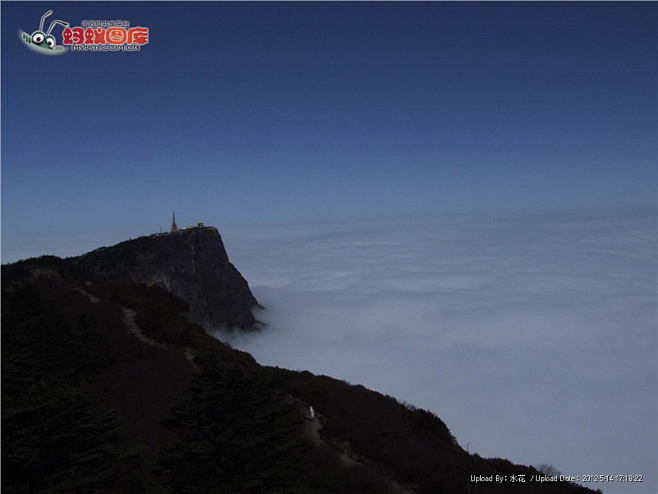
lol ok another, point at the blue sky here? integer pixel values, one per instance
(255, 112)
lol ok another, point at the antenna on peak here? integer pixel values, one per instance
(174, 226)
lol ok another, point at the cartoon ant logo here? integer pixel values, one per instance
(44, 42)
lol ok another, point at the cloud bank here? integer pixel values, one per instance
(533, 336)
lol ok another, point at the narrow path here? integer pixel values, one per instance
(92, 298)
(129, 320)
(132, 326)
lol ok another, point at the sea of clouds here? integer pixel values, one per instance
(533, 336)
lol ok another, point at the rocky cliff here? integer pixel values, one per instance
(191, 264)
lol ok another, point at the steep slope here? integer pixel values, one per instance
(107, 387)
(191, 264)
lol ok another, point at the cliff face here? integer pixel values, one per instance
(191, 264)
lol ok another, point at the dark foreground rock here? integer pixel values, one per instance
(107, 387)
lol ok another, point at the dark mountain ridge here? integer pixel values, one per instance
(108, 387)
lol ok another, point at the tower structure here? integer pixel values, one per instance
(174, 227)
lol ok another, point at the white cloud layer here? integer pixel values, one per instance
(533, 336)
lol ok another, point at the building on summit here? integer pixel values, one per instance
(174, 227)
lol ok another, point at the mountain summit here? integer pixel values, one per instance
(190, 263)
